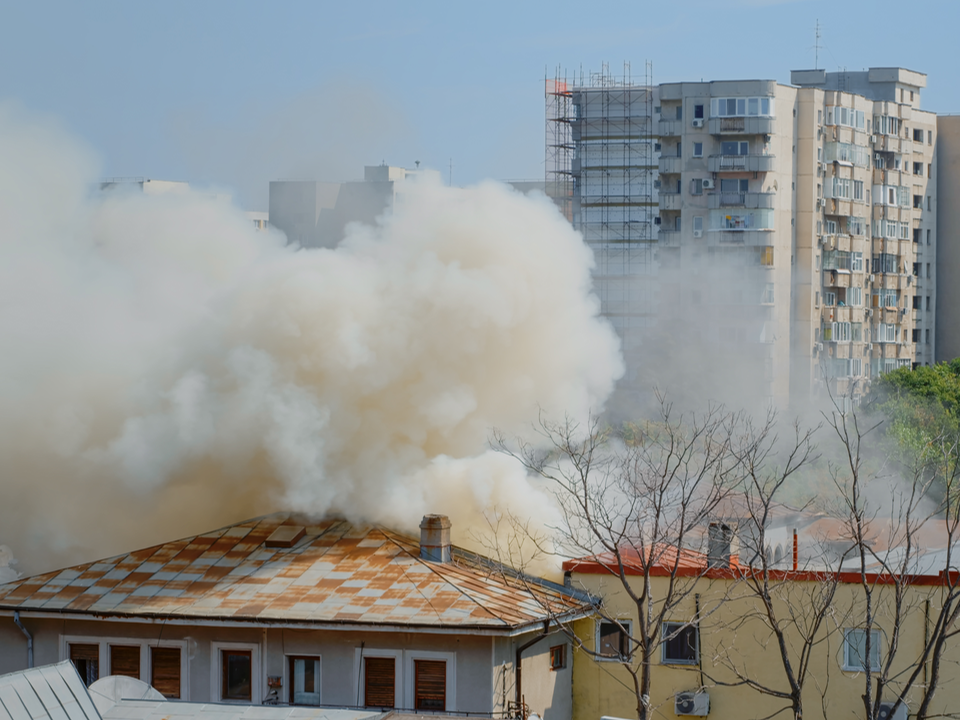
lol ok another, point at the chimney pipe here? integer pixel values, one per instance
(435, 538)
(720, 537)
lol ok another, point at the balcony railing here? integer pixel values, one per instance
(670, 201)
(670, 128)
(741, 126)
(741, 163)
(740, 199)
(670, 164)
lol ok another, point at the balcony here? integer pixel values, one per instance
(753, 238)
(670, 128)
(670, 201)
(668, 237)
(741, 126)
(741, 163)
(751, 200)
(670, 164)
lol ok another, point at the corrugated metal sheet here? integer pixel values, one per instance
(52, 692)
(172, 710)
(337, 572)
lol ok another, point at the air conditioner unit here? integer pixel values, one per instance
(886, 714)
(821, 203)
(698, 233)
(873, 139)
(698, 122)
(692, 703)
(708, 184)
(820, 347)
(873, 278)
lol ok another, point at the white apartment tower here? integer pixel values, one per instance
(797, 229)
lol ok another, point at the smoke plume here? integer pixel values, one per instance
(169, 370)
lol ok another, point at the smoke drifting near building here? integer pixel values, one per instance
(167, 369)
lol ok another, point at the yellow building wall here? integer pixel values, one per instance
(732, 632)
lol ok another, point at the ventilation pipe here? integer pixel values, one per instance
(435, 538)
(16, 620)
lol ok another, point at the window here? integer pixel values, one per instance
(698, 224)
(929, 202)
(915, 336)
(125, 660)
(558, 659)
(680, 644)
(926, 336)
(917, 137)
(379, 682)
(165, 671)
(236, 675)
(734, 185)
(886, 333)
(856, 261)
(696, 186)
(928, 237)
(734, 147)
(698, 112)
(305, 680)
(858, 190)
(741, 107)
(698, 149)
(829, 298)
(854, 296)
(928, 271)
(613, 639)
(929, 137)
(766, 256)
(86, 658)
(676, 223)
(679, 149)
(430, 685)
(918, 168)
(855, 650)
(917, 233)
(928, 302)
(679, 112)
(918, 201)
(917, 301)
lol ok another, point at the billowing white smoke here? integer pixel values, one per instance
(166, 369)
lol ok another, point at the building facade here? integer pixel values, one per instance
(791, 246)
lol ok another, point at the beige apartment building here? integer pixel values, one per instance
(794, 248)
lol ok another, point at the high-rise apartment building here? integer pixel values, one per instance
(794, 239)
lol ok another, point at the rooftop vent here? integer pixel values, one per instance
(720, 539)
(285, 536)
(435, 538)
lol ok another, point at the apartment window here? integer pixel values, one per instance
(854, 296)
(858, 190)
(305, 680)
(918, 201)
(696, 186)
(915, 336)
(698, 223)
(916, 269)
(680, 644)
(928, 303)
(929, 137)
(831, 227)
(855, 650)
(379, 682)
(928, 271)
(86, 659)
(679, 112)
(236, 675)
(165, 671)
(698, 112)
(766, 256)
(918, 168)
(741, 107)
(929, 170)
(926, 336)
(928, 237)
(917, 232)
(917, 137)
(125, 660)
(816, 299)
(734, 185)
(856, 261)
(698, 149)
(856, 332)
(929, 203)
(917, 301)
(734, 147)
(613, 639)
(767, 298)
(829, 298)
(819, 118)
(430, 685)
(679, 149)
(558, 653)
(676, 223)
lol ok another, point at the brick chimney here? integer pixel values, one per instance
(435, 538)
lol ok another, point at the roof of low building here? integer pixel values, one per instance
(335, 573)
(52, 692)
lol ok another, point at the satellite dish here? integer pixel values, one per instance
(109, 691)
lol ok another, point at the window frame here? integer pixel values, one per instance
(410, 677)
(874, 646)
(558, 657)
(216, 671)
(625, 629)
(146, 659)
(665, 630)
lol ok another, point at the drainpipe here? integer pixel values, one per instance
(517, 670)
(16, 620)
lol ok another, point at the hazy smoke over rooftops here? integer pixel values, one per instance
(167, 370)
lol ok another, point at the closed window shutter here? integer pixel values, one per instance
(165, 671)
(379, 682)
(86, 658)
(431, 685)
(125, 660)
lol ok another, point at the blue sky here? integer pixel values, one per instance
(235, 94)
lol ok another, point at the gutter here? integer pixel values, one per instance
(16, 620)
(518, 683)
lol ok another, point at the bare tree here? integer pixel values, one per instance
(635, 503)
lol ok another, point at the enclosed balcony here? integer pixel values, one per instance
(670, 128)
(670, 201)
(741, 163)
(749, 200)
(741, 125)
(670, 164)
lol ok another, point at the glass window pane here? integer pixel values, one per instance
(741, 106)
(765, 106)
(753, 107)
(237, 675)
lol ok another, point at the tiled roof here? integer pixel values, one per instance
(52, 692)
(336, 573)
(661, 559)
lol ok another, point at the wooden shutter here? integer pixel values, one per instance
(379, 682)
(431, 685)
(125, 660)
(165, 671)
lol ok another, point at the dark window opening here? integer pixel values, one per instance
(698, 112)
(86, 659)
(680, 643)
(558, 657)
(614, 640)
(305, 680)
(237, 675)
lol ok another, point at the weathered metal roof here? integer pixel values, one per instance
(174, 710)
(336, 572)
(52, 692)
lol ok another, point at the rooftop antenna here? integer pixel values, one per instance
(816, 48)
(450, 180)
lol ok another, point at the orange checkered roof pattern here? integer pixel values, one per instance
(336, 573)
